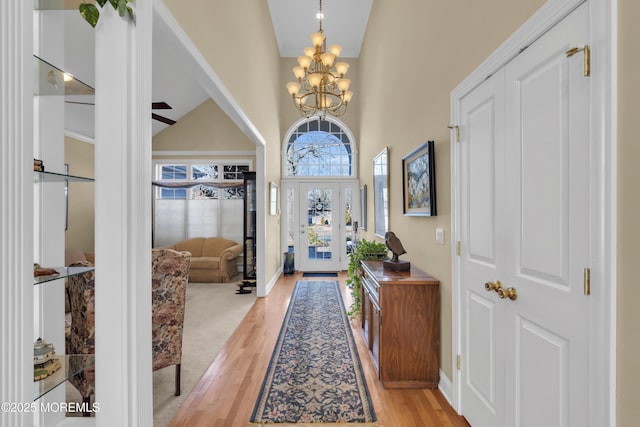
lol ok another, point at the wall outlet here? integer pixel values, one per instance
(440, 236)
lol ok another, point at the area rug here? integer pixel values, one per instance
(315, 376)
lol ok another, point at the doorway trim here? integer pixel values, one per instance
(602, 30)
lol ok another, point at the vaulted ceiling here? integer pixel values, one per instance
(344, 23)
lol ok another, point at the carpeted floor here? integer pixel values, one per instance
(315, 374)
(213, 311)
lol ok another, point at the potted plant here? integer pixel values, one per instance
(364, 250)
(91, 14)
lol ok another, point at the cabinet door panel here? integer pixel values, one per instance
(375, 336)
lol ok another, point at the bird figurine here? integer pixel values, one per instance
(395, 246)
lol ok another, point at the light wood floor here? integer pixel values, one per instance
(227, 391)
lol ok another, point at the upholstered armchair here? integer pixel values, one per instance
(169, 277)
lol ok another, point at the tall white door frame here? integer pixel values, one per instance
(602, 29)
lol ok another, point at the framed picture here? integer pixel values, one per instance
(419, 181)
(273, 198)
(381, 192)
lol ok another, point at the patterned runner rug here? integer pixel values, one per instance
(314, 377)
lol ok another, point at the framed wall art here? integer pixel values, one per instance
(381, 192)
(419, 181)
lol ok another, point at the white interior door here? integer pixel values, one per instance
(483, 252)
(547, 159)
(525, 210)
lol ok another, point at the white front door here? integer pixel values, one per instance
(525, 213)
(320, 223)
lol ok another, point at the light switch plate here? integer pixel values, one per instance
(440, 236)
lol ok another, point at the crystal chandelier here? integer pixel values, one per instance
(321, 88)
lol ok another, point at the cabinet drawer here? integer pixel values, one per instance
(373, 289)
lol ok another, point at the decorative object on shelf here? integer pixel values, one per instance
(45, 361)
(38, 165)
(363, 250)
(321, 88)
(381, 192)
(42, 271)
(395, 246)
(91, 14)
(419, 181)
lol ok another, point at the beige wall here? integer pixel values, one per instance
(80, 158)
(205, 128)
(414, 54)
(237, 39)
(628, 359)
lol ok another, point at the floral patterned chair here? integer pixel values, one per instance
(169, 277)
(81, 339)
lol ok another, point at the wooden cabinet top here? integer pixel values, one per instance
(415, 276)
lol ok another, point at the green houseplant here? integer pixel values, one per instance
(364, 250)
(91, 14)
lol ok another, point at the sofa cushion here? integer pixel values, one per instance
(191, 245)
(215, 246)
(205, 263)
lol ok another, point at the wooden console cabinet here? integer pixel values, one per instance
(401, 325)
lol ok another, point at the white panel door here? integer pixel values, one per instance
(482, 200)
(524, 218)
(547, 158)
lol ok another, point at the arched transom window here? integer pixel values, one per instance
(319, 148)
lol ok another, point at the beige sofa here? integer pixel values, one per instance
(213, 259)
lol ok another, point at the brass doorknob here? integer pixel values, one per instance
(510, 293)
(493, 286)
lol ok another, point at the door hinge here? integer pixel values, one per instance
(459, 362)
(458, 248)
(587, 57)
(587, 281)
(457, 128)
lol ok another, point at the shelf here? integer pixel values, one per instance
(79, 363)
(58, 4)
(64, 272)
(58, 177)
(51, 80)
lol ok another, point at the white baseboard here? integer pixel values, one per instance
(272, 282)
(445, 387)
